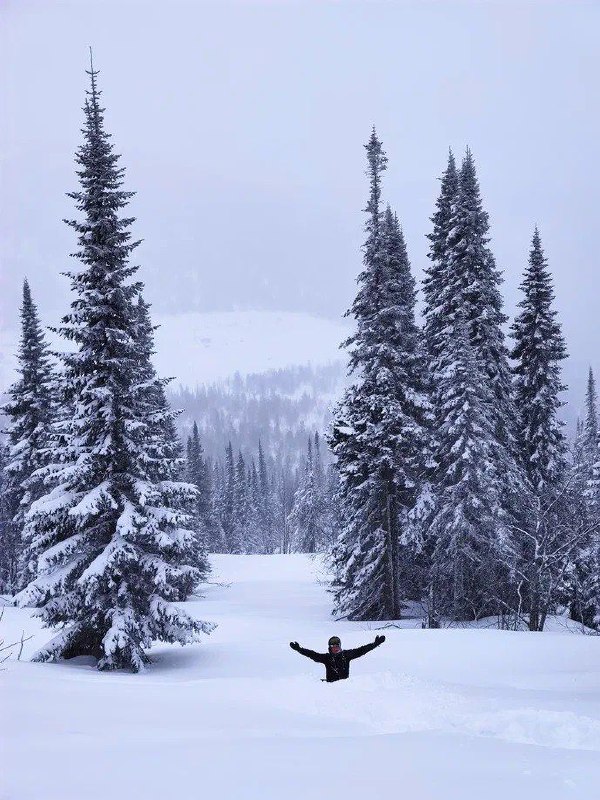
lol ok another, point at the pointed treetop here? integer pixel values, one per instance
(375, 154)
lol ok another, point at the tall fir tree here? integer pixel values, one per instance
(266, 512)
(7, 559)
(228, 501)
(29, 410)
(474, 288)
(580, 590)
(469, 529)
(437, 281)
(306, 516)
(589, 441)
(241, 507)
(590, 423)
(538, 352)
(113, 533)
(582, 585)
(378, 434)
(199, 474)
(218, 504)
(254, 537)
(463, 306)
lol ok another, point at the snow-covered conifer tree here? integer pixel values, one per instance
(307, 515)
(538, 351)
(254, 538)
(462, 295)
(378, 433)
(474, 284)
(29, 411)
(590, 423)
(7, 559)
(240, 507)
(437, 279)
(581, 590)
(219, 544)
(469, 529)
(266, 512)
(590, 442)
(113, 533)
(228, 500)
(200, 475)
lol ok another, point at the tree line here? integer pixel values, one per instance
(457, 486)
(262, 504)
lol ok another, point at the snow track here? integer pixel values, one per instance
(429, 715)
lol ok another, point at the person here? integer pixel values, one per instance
(336, 660)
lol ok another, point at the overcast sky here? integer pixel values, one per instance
(241, 126)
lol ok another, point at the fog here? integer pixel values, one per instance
(242, 125)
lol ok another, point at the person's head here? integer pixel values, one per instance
(335, 646)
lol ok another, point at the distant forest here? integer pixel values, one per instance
(282, 408)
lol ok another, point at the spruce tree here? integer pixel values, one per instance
(463, 300)
(589, 441)
(266, 512)
(538, 351)
(437, 282)
(590, 423)
(228, 501)
(378, 433)
(307, 514)
(240, 507)
(254, 541)
(582, 583)
(113, 533)
(474, 288)
(219, 544)
(8, 561)
(199, 474)
(29, 411)
(469, 528)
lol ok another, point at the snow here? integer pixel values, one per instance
(201, 347)
(451, 714)
(198, 348)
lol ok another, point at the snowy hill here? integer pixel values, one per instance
(197, 348)
(430, 715)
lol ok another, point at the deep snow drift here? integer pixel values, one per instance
(429, 715)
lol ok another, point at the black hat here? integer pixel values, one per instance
(335, 640)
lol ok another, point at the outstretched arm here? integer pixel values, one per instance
(319, 657)
(366, 648)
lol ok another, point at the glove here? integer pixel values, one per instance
(379, 640)
(294, 645)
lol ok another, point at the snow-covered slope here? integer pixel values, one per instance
(199, 348)
(196, 348)
(430, 715)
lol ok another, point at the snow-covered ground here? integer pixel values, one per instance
(430, 715)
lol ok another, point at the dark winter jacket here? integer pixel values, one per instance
(337, 665)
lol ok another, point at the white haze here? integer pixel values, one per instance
(241, 126)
